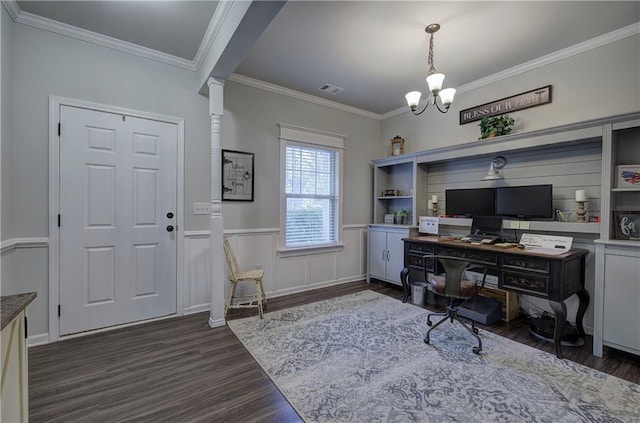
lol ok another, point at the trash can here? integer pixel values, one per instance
(418, 292)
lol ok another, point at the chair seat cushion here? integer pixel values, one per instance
(467, 288)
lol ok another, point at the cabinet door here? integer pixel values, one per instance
(377, 253)
(395, 255)
(621, 320)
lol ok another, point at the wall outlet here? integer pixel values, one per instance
(201, 208)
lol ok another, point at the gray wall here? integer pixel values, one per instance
(598, 83)
(7, 124)
(250, 124)
(49, 64)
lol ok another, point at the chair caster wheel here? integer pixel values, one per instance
(427, 340)
(476, 350)
(475, 330)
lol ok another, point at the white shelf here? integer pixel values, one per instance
(396, 197)
(534, 225)
(618, 242)
(625, 189)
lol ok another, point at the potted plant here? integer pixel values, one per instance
(400, 216)
(495, 126)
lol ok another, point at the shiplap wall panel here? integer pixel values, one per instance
(568, 168)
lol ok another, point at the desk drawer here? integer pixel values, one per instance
(416, 260)
(526, 264)
(421, 248)
(487, 257)
(526, 283)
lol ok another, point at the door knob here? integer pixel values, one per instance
(170, 228)
(170, 215)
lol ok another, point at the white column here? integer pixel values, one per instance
(216, 222)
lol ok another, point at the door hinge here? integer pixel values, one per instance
(59, 310)
(59, 128)
(59, 221)
(26, 328)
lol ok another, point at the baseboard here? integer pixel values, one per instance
(318, 285)
(197, 309)
(216, 323)
(35, 340)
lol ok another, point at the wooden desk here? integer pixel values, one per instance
(555, 278)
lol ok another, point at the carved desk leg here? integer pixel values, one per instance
(405, 284)
(560, 308)
(583, 296)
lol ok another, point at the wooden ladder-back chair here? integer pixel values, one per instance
(236, 275)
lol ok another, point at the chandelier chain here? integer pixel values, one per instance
(432, 68)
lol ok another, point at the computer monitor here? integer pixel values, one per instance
(470, 202)
(525, 202)
(486, 225)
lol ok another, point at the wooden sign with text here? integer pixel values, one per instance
(521, 101)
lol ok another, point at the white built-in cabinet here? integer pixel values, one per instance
(386, 251)
(14, 398)
(404, 176)
(617, 310)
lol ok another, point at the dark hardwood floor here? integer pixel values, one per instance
(181, 370)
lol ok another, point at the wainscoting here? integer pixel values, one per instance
(28, 270)
(255, 248)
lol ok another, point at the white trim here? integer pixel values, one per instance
(40, 339)
(50, 25)
(319, 285)
(217, 323)
(13, 243)
(215, 25)
(307, 251)
(12, 8)
(200, 308)
(55, 103)
(205, 233)
(300, 134)
(266, 86)
(602, 40)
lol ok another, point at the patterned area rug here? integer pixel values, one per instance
(361, 358)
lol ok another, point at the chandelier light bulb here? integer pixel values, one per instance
(446, 96)
(413, 98)
(435, 81)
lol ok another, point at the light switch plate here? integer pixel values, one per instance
(201, 208)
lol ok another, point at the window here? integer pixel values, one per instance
(311, 167)
(311, 190)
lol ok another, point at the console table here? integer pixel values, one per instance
(554, 277)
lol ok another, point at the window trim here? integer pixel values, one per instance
(296, 135)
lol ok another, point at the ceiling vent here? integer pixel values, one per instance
(330, 89)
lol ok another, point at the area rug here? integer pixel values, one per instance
(361, 358)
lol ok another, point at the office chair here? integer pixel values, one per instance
(259, 299)
(452, 285)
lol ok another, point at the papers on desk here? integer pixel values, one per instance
(546, 244)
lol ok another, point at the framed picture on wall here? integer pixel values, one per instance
(626, 225)
(628, 176)
(237, 175)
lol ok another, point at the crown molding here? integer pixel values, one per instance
(46, 24)
(215, 25)
(12, 8)
(266, 86)
(602, 40)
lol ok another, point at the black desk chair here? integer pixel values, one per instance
(452, 285)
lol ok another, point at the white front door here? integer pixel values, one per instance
(117, 209)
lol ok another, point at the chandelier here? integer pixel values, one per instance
(434, 81)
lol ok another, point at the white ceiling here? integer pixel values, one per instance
(375, 50)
